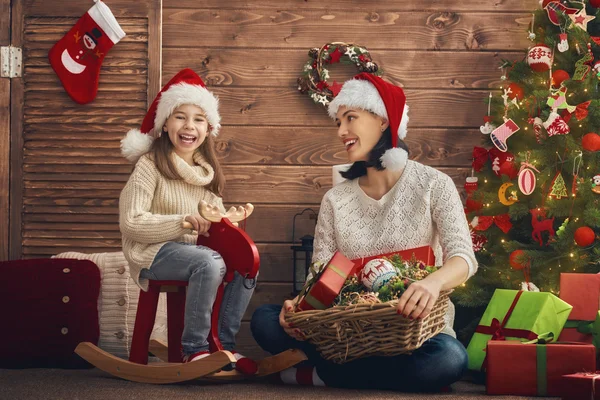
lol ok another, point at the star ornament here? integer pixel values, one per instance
(581, 19)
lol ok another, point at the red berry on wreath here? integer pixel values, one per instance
(584, 236)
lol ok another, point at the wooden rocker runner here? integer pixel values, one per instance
(239, 254)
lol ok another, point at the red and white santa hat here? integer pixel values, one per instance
(371, 93)
(184, 88)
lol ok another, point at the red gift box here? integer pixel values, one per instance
(527, 369)
(423, 254)
(324, 291)
(582, 291)
(581, 386)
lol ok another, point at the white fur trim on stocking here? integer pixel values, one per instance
(105, 19)
(394, 159)
(184, 93)
(135, 144)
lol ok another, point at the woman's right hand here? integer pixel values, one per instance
(288, 306)
(199, 224)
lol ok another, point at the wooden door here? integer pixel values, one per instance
(66, 167)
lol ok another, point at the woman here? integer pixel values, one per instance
(387, 204)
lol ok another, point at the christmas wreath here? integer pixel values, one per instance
(314, 78)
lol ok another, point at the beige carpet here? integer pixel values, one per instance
(60, 384)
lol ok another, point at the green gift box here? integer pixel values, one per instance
(516, 315)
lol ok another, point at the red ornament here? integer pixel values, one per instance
(527, 181)
(515, 91)
(591, 141)
(559, 76)
(518, 260)
(509, 168)
(335, 56)
(595, 3)
(584, 236)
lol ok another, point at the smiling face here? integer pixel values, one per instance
(359, 131)
(187, 128)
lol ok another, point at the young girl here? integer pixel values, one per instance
(176, 168)
(387, 203)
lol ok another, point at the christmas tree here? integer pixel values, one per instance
(533, 201)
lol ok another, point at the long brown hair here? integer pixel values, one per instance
(161, 153)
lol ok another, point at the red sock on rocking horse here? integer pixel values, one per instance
(78, 56)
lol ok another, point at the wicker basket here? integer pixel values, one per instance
(345, 333)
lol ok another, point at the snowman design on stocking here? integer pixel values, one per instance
(78, 56)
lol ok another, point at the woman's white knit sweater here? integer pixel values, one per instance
(152, 208)
(422, 209)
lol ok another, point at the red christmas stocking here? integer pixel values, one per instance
(77, 57)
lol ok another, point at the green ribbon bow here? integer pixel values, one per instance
(588, 328)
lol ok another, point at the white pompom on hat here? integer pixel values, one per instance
(184, 88)
(371, 93)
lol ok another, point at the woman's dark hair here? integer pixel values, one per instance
(359, 168)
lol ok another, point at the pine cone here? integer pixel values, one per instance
(313, 53)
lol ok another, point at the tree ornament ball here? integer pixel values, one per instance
(539, 58)
(591, 141)
(595, 3)
(584, 236)
(516, 91)
(377, 273)
(518, 260)
(559, 76)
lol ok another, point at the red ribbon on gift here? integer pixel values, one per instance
(502, 221)
(499, 332)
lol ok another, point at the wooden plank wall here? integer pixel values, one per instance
(278, 147)
(71, 166)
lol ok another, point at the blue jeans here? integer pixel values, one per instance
(441, 360)
(203, 269)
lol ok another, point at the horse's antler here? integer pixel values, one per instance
(234, 214)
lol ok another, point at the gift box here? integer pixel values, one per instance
(328, 284)
(582, 291)
(583, 385)
(533, 369)
(424, 254)
(516, 315)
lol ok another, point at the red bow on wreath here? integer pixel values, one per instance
(502, 221)
(581, 111)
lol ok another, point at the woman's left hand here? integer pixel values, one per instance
(419, 298)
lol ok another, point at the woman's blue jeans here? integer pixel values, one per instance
(441, 360)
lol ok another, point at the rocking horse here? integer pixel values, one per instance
(240, 255)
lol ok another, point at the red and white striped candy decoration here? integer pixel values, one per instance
(526, 181)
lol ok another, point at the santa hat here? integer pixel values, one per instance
(371, 93)
(184, 88)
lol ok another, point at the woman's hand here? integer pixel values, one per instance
(199, 224)
(419, 298)
(288, 306)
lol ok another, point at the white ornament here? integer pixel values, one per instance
(377, 273)
(350, 52)
(539, 58)
(563, 44)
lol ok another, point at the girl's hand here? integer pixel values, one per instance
(419, 298)
(200, 224)
(288, 306)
